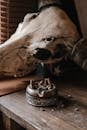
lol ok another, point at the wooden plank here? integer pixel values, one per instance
(33, 117)
(9, 124)
(77, 94)
(81, 6)
(6, 122)
(10, 86)
(15, 126)
(13, 85)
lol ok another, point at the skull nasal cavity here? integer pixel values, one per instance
(42, 54)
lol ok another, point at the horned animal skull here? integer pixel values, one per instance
(46, 36)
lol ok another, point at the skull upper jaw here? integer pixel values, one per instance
(50, 22)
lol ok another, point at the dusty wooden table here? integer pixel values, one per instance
(17, 114)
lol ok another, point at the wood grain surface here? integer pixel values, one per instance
(69, 114)
(34, 118)
(12, 85)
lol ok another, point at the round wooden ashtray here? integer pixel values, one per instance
(41, 93)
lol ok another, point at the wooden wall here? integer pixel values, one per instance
(11, 13)
(81, 7)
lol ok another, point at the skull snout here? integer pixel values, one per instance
(42, 54)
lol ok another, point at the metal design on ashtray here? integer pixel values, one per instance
(41, 93)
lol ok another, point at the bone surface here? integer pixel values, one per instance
(47, 29)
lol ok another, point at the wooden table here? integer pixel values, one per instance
(17, 114)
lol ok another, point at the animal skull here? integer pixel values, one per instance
(51, 32)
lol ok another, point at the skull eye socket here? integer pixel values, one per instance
(29, 17)
(34, 16)
(49, 39)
